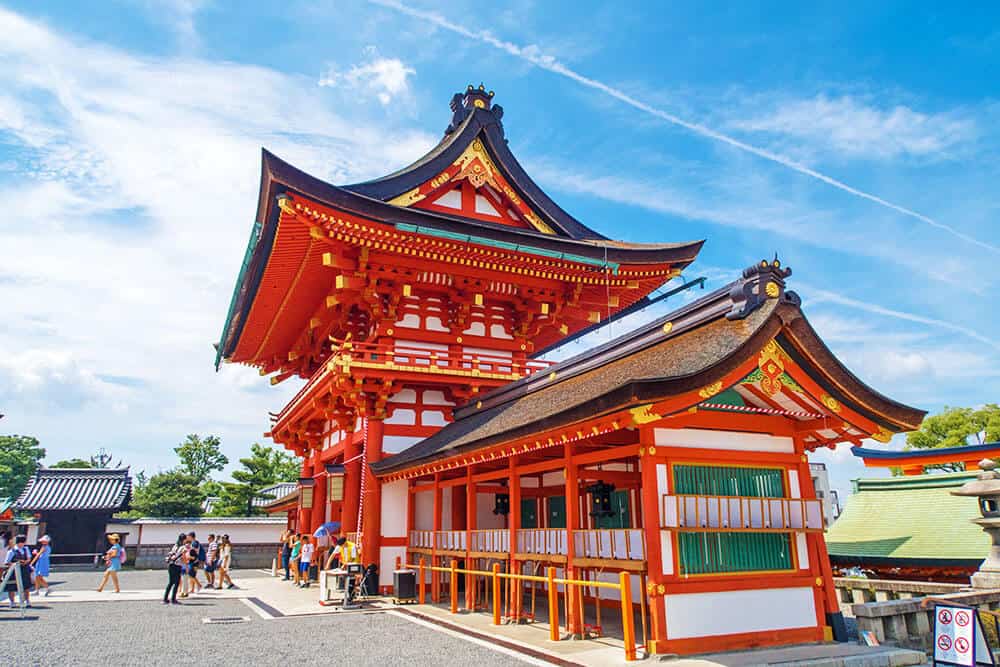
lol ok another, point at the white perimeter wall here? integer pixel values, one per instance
(733, 612)
(166, 533)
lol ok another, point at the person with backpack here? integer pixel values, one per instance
(196, 558)
(113, 559)
(175, 562)
(19, 557)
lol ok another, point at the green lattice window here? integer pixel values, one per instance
(722, 552)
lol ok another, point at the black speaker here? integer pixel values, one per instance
(370, 580)
(404, 583)
(501, 504)
(600, 495)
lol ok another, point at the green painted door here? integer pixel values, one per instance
(529, 513)
(620, 518)
(557, 512)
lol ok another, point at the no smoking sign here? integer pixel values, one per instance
(958, 638)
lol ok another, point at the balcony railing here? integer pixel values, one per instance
(613, 544)
(608, 544)
(732, 513)
(425, 360)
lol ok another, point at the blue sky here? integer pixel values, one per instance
(858, 142)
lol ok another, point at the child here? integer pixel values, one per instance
(41, 564)
(305, 559)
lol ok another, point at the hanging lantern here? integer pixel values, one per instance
(600, 499)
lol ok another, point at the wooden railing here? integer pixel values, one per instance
(449, 540)
(610, 544)
(543, 541)
(495, 541)
(737, 513)
(422, 539)
(425, 360)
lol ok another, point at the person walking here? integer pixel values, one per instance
(296, 550)
(225, 562)
(19, 557)
(113, 560)
(175, 561)
(305, 559)
(197, 557)
(41, 564)
(286, 554)
(211, 561)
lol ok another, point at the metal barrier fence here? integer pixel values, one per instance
(623, 586)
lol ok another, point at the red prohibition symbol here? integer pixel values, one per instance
(962, 645)
(944, 642)
(944, 616)
(962, 618)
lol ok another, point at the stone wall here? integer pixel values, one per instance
(855, 590)
(153, 556)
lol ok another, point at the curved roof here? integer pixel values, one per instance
(706, 340)
(989, 450)
(78, 489)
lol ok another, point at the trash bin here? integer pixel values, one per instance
(404, 584)
(370, 580)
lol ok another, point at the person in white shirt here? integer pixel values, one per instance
(305, 559)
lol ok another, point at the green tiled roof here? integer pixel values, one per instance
(909, 518)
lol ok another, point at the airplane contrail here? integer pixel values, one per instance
(534, 56)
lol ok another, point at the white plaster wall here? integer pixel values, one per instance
(446, 509)
(394, 497)
(742, 442)
(387, 563)
(666, 537)
(246, 533)
(485, 518)
(435, 397)
(733, 612)
(393, 444)
(553, 478)
(802, 550)
(794, 489)
(424, 516)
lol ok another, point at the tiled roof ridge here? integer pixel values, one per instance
(735, 301)
(926, 481)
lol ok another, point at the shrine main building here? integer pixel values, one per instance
(417, 307)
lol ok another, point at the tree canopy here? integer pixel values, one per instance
(72, 463)
(19, 457)
(265, 466)
(200, 456)
(174, 493)
(956, 427)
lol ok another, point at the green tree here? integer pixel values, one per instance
(19, 457)
(72, 463)
(956, 427)
(201, 456)
(265, 466)
(174, 493)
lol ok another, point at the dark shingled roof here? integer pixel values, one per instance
(707, 339)
(77, 489)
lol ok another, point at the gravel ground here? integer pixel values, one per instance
(148, 632)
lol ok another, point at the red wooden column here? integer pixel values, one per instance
(650, 500)
(435, 575)
(819, 562)
(573, 621)
(352, 483)
(319, 493)
(411, 516)
(304, 523)
(514, 524)
(470, 525)
(372, 508)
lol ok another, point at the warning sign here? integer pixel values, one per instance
(959, 638)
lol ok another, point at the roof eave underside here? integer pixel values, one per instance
(479, 122)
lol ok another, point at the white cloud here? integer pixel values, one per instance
(853, 128)
(133, 186)
(385, 78)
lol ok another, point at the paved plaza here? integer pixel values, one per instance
(124, 630)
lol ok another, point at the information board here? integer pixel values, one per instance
(959, 638)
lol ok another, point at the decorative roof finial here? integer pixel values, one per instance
(464, 104)
(760, 282)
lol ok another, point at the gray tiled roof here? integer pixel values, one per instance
(76, 489)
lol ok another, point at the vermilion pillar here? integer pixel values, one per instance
(573, 621)
(649, 496)
(319, 493)
(352, 484)
(372, 520)
(304, 523)
(514, 496)
(470, 525)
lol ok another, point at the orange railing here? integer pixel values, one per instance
(427, 360)
(736, 513)
(623, 586)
